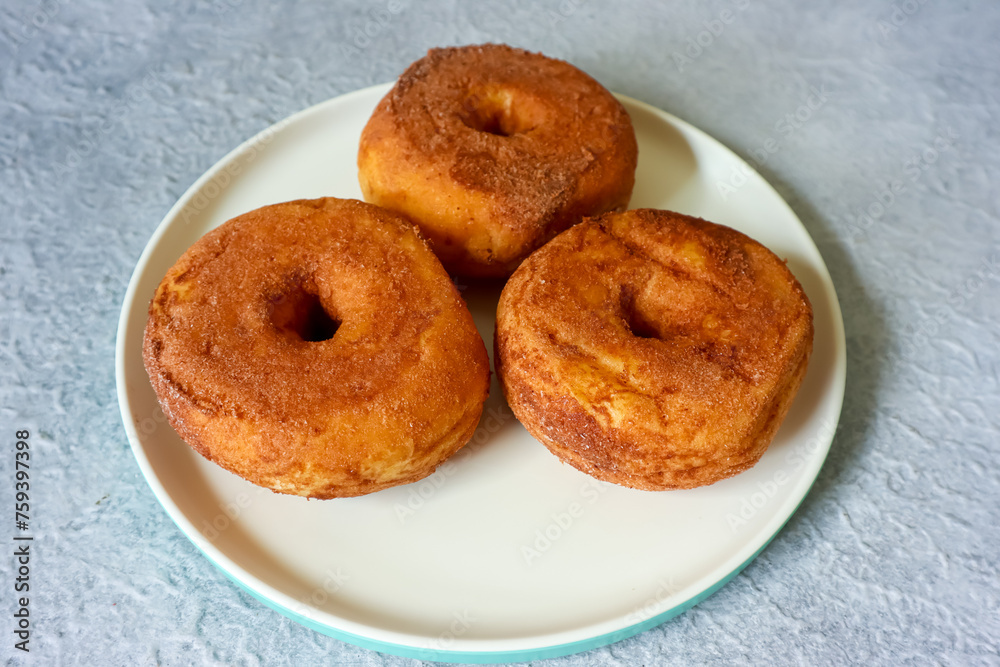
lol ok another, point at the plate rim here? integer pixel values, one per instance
(270, 596)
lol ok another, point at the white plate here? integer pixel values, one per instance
(504, 553)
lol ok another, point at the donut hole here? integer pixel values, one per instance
(638, 321)
(491, 122)
(641, 326)
(493, 114)
(300, 315)
(317, 325)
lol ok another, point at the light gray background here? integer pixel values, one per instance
(109, 111)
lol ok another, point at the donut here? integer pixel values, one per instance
(493, 150)
(651, 349)
(317, 348)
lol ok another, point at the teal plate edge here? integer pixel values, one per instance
(493, 657)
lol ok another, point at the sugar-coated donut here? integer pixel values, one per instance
(317, 348)
(652, 349)
(493, 150)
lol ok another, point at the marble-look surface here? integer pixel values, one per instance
(109, 111)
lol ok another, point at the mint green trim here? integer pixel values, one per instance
(480, 657)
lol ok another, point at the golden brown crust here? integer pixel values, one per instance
(652, 349)
(493, 150)
(234, 352)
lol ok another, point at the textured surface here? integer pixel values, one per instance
(876, 121)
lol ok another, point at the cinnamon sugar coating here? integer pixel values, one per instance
(317, 348)
(652, 349)
(493, 150)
